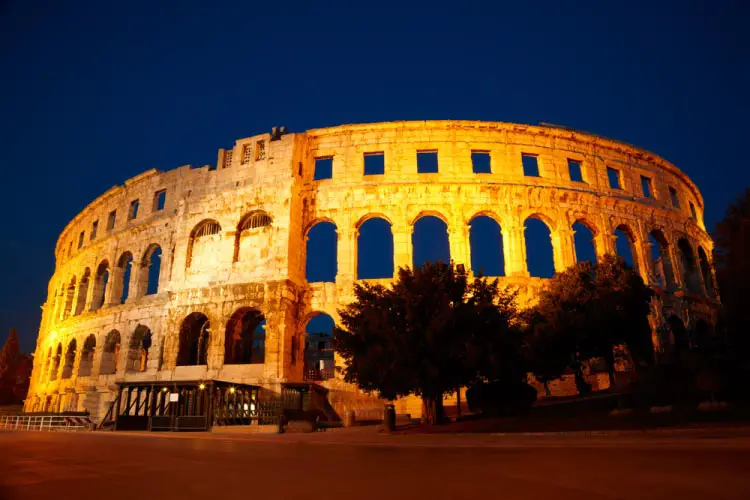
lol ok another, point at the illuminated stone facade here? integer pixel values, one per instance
(233, 239)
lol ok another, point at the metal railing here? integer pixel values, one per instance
(45, 423)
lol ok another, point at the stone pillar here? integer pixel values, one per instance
(402, 247)
(563, 248)
(90, 292)
(346, 253)
(135, 278)
(458, 241)
(677, 271)
(113, 293)
(514, 250)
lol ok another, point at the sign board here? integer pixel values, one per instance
(174, 397)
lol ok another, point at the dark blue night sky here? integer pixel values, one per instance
(96, 92)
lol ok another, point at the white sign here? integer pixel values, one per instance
(174, 397)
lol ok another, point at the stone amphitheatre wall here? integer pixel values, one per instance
(263, 268)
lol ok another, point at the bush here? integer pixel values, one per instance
(502, 399)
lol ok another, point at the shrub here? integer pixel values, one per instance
(501, 398)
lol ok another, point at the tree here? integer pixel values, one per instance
(431, 331)
(732, 239)
(10, 353)
(584, 312)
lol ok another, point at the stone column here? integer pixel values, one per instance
(402, 247)
(346, 253)
(458, 241)
(677, 271)
(113, 293)
(135, 278)
(514, 250)
(563, 248)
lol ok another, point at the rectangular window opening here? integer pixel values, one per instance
(374, 163)
(692, 211)
(94, 228)
(481, 162)
(133, 212)
(227, 159)
(323, 168)
(530, 165)
(427, 162)
(673, 197)
(160, 199)
(614, 178)
(260, 150)
(80, 240)
(574, 170)
(247, 151)
(647, 187)
(111, 219)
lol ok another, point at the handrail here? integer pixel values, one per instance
(45, 423)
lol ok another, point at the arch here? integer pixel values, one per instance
(70, 292)
(194, 333)
(540, 255)
(429, 213)
(87, 356)
(374, 249)
(319, 359)
(584, 244)
(83, 290)
(248, 239)
(70, 359)
(150, 271)
(661, 262)
(101, 280)
(486, 246)
(430, 240)
(625, 245)
(110, 354)
(125, 269)
(321, 264)
(680, 337)
(373, 215)
(56, 362)
(245, 337)
(203, 233)
(708, 278)
(689, 270)
(138, 349)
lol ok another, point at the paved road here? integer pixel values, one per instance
(116, 466)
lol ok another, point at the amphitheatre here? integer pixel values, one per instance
(203, 281)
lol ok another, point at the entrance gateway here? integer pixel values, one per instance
(191, 406)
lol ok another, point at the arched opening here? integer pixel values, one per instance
(138, 350)
(540, 255)
(662, 264)
(319, 361)
(252, 238)
(110, 354)
(124, 269)
(374, 249)
(87, 356)
(83, 290)
(56, 363)
(70, 359)
(100, 285)
(625, 245)
(583, 243)
(245, 338)
(708, 278)
(150, 271)
(201, 245)
(689, 271)
(194, 340)
(486, 244)
(679, 333)
(70, 292)
(321, 261)
(430, 241)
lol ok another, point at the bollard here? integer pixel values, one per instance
(389, 417)
(350, 418)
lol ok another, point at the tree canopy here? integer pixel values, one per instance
(584, 312)
(432, 331)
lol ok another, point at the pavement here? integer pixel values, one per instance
(361, 463)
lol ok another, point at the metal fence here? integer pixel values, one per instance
(45, 423)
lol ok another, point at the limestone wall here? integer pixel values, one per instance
(264, 268)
